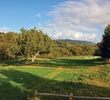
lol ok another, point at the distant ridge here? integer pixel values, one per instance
(1, 32)
(78, 41)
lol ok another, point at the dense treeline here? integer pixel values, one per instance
(66, 50)
(32, 43)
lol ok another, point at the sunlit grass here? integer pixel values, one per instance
(79, 75)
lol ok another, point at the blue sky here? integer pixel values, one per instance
(60, 19)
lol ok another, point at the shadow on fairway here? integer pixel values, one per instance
(69, 63)
(13, 62)
(12, 87)
(10, 92)
(58, 62)
(8, 62)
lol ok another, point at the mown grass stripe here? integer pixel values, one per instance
(44, 80)
(53, 74)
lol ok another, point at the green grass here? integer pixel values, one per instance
(71, 62)
(16, 62)
(79, 75)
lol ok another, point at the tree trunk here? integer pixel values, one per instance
(19, 60)
(108, 60)
(34, 56)
(25, 59)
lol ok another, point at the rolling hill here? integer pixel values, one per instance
(78, 41)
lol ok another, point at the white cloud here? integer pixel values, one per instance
(38, 15)
(39, 24)
(57, 34)
(4, 29)
(71, 34)
(79, 19)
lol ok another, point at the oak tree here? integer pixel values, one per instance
(33, 41)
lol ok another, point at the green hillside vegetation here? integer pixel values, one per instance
(83, 76)
(79, 41)
(69, 48)
(66, 43)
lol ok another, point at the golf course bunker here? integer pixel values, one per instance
(91, 57)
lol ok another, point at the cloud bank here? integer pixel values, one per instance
(79, 20)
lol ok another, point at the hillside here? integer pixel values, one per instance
(66, 43)
(78, 41)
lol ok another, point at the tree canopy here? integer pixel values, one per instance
(8, 44)
(33, 41)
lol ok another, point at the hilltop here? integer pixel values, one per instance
(66, 43)
(78, 41)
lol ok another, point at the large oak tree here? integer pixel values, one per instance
(32, 42)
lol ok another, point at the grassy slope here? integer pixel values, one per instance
(79, 75)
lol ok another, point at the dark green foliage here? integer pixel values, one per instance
(105, 43)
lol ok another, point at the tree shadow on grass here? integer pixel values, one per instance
(8, 62)
(12, 87)
(69, 63)
(13, 63)
(59, 62)
(10, 92)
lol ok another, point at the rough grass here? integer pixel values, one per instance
(79, 75)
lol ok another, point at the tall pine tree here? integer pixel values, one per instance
(105, 44)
